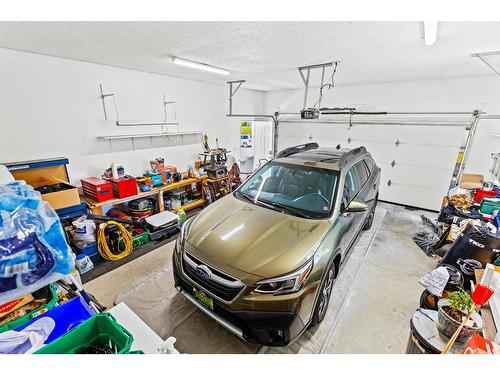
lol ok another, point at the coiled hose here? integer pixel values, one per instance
(102, 243)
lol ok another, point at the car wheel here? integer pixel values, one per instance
(369, 221)
(324, 296)
(245, 144)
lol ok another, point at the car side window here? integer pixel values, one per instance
(351, 187)
(362, 173)
(369, 165)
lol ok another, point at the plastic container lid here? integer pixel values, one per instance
(81, 256)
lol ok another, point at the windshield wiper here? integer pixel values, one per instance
(246, 196)
(257, 201)
(295, 211)
(274, 205)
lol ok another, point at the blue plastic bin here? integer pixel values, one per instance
(67, 316)
(91, 251)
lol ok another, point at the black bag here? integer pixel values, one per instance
(473, 248)
(452, 215)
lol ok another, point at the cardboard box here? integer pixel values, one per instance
(45, 173)
(472, 181)
(480, 345)
(8, 307)
(67, 197)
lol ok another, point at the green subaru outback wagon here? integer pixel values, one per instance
(262, 261)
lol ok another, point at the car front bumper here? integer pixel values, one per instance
(270, 328)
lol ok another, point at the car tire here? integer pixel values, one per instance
(325, 293)
(371, 216)
(245, 144)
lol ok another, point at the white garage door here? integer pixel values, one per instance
(417, 161)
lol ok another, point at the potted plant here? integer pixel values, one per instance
(453, 310)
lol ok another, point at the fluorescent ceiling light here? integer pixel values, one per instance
(430, 32)
(200, 66)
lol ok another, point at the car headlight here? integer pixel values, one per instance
(286, 284)
(181, 240)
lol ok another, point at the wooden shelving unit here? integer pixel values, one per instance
(218, 184)
(97, 207)
(198, 203)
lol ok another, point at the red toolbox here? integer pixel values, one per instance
(97, 189)
(124, 187)
(481, 193)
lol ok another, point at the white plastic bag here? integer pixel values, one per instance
(84, 231)
(435, 281)
(29, 340)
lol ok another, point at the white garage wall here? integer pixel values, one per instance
(425, 158)
(50, 107)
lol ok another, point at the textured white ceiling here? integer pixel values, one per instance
(266, 54)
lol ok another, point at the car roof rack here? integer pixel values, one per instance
(350, 153)
(296, 149)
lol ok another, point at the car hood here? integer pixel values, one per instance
(254, 239)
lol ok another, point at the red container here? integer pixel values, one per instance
(97, 189)
(124, 187)
(481, 294)
(481, 193)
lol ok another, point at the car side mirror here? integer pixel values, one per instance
(357, 207)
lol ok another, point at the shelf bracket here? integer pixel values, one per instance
(103, 96)
(481, 56)
(232, 92)
(305, 79)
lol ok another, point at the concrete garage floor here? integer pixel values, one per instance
(373, 299)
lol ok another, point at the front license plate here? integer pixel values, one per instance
(203, 298)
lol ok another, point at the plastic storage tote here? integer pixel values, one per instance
(489, 205)
(67, 316)
(48, 292)
(99, 330)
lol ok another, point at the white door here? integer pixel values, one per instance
(263, 141)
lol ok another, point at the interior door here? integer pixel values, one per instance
(262, 141)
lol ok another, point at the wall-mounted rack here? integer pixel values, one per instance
(151, 136)
(165, 122)
(133, 137)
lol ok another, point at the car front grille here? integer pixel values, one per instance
(221, 285)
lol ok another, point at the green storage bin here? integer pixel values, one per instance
(137, 240)
(136, 352)
(95, 331)
(51, 292)
(489, 205)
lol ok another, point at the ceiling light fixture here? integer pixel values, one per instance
(430, 32)
(200, 66)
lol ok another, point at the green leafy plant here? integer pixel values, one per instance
(460, 300)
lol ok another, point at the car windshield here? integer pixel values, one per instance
(299, 190)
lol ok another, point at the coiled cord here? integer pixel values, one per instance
(102, 243)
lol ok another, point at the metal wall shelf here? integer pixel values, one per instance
(149, 135)
(173, 138)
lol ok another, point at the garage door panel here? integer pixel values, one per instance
(412, 196)
(431, 157)
(424, 156)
